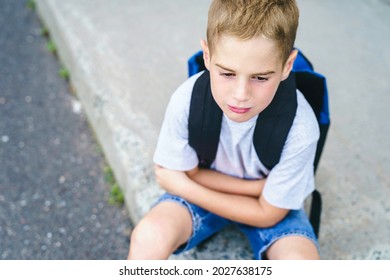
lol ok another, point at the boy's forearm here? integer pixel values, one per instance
(227, 184)
(240, 208)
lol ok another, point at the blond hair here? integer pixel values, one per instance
(245, 19)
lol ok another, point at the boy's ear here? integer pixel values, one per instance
(206, 53)
(289, 64)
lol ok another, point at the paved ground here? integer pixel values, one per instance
(53, 197)
(127, 57)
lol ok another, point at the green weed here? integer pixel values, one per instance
(51, 46)
(64, 73)
(31, 4)
(116, 196)
(45, 32)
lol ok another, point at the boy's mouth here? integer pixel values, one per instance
(238, 110)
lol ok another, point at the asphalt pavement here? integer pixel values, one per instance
(53, 194)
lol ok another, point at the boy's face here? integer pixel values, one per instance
(245, 74)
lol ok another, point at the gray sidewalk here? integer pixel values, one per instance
(127, 57)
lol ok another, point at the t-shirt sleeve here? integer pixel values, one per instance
(292, 179)
(172, 150)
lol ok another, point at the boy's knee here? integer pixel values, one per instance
(146, 232)
(160, 232)
(152, 239)
(293, 248)
(142, 241)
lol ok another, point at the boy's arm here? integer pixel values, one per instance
(224, 183)
(240, 208)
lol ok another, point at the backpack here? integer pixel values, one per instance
(205, 118)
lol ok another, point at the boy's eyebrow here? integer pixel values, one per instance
(256, 74)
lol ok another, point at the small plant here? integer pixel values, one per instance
(45, 32)
(109, 176)
(31, 4)
(116, 195)
(64, 73)
(51, 46)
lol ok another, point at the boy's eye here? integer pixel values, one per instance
(227, 75)
(260, 79)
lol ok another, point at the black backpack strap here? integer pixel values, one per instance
(204, 123)
(313, 87)
(274, 123)
(315, 211)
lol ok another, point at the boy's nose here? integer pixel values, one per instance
(241, 93)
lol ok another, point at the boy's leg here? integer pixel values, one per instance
(291, 238)
(293, 248)
(161, 232)
(171, 223)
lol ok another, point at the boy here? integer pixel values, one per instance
(248, 53)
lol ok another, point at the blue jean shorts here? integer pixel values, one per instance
(205, 224)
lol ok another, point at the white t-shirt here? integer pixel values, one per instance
(287, 184)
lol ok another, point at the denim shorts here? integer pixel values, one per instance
(205, 224)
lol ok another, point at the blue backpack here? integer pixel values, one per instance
(205, 118)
